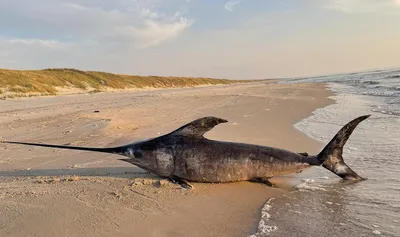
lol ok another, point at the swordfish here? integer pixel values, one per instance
(185, 155)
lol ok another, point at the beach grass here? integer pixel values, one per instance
(20, 83)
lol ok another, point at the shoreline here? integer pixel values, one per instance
(257, 113)
(324, 200)
(333, 100)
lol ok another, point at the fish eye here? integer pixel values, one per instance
(138, 154)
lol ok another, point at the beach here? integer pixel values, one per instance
(55, 192)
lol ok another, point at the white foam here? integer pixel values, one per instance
(306, 185)
(376, 232)
(324, 177)
(264, 229)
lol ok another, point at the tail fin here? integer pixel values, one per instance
(331, 156)
(106, 150)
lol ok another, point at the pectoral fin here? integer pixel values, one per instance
(182, 182)
(264, 180)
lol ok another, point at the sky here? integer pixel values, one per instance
(238, 39)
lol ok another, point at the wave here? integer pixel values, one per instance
(393, 77)
(264, 229)
(388, 112)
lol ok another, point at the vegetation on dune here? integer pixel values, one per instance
(17, 83)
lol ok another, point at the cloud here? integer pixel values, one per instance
(139, 23)
(29, 53)
(35, 42)
(364, 6)
(87, 34)
(230, 5)
(153, 33)
(159, 37)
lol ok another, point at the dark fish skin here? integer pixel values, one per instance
(186, 155)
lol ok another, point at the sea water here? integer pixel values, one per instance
(321, 204)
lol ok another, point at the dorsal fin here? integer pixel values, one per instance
(198, 127)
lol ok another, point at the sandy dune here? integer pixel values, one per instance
(49, 192)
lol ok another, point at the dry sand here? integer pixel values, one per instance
(50, 192)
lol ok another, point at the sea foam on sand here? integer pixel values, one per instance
(263, 229)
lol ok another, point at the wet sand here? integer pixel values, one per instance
(50, 192)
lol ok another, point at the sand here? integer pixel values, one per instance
(50, 192)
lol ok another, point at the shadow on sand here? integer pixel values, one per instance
(118, 172)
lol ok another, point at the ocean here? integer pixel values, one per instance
(321, 204)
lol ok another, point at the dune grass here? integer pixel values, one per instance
(17, 83)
